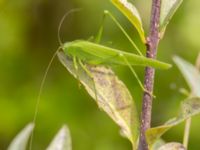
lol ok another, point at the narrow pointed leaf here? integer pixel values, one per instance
(189, 108)
(168, 9)
(21, 140)
(172, 146)
(190, 73)
(112, 95)
(62, 141)
(130, 11)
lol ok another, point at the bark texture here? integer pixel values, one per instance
(152, 44)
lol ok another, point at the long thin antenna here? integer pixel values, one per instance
(47, 70)
(62, 20)
(39, 94)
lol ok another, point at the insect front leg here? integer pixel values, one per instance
(94, 85)
(75, 66)
(100, 32)
(90, 75)
(76, 69)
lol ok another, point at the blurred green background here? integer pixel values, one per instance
(28, 39)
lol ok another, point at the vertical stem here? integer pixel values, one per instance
(189, 120)
(187, 132)
(152, 44)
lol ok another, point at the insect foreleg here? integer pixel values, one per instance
(75, 63)
(100, 32)
(76, 67)
(90, 75)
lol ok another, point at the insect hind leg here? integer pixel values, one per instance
(107, 13)
(100, 32)
(135, 74)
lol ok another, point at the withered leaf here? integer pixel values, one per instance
(172, 146)
(112, 95)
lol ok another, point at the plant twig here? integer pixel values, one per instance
(187, 132)
(152, 44)
(189, 120)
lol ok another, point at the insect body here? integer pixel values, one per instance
(96, 54)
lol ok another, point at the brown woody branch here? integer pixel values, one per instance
(152, 44)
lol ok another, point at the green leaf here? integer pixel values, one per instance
(21, 140)
(112, 95)
(190, 73)
(172, 146)
(189, 108)
(62, 141)
(130, 11)
(168, 9)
